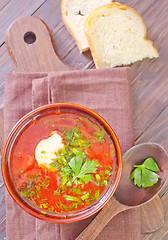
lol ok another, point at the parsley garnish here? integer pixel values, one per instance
(72, 163)
(85, 196)
(71, 198)
(76, 162)
(43, 205)
(77, 191)
(100, 136)
(89, 166)
(57, 192)
(43, 152)
(98, 178)
(107, 172)
(97, 194)
(105, 183)
(144, 175)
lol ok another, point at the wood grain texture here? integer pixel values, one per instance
(149, 212)
(14, 9)
(112, 208)
(157, 131)
(162, 233)
(149, 77)
(30, 45)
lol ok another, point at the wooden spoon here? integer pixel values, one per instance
(127, 194)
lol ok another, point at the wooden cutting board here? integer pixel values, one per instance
(30, 45)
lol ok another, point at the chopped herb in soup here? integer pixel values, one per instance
(62, 162)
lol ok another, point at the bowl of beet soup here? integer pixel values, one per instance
(61, 162)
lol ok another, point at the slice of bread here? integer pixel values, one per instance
(74, 14)
(117, 36)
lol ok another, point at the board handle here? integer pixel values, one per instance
(30, 45)
(111, 209)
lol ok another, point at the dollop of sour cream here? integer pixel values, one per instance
(46, 149)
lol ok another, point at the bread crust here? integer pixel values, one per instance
(97, 12)
(69, 29)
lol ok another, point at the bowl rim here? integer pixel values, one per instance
(98, 206)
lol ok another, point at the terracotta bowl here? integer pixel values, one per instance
(11, 141)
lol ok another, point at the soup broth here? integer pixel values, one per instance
(63, 161)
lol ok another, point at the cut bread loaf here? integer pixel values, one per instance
(117, 36)
(74, 14)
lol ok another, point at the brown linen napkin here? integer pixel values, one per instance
(106, 91)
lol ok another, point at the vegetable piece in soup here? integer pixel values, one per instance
(63, 162)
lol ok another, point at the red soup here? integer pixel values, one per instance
(63, 161)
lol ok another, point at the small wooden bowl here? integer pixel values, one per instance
(30, 208)
(131, 194)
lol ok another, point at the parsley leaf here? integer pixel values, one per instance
(86, 178)
(150, 164)
(83, 172)
(136, 174)
(144, 175)
(88, 167)
(76, 163)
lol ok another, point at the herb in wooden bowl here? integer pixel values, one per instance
(145, 175)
